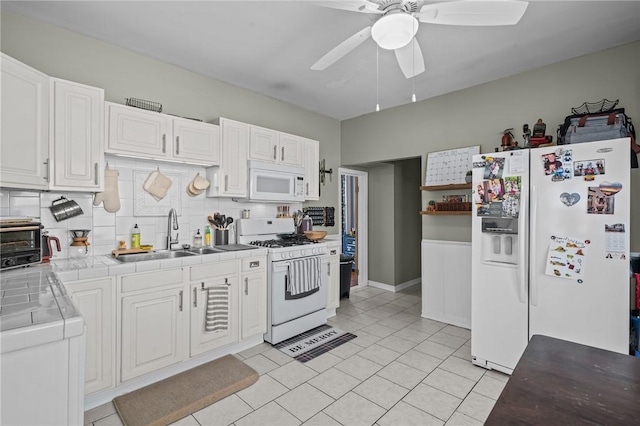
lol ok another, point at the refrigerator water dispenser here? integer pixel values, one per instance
(500, 240)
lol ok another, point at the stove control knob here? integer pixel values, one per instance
(303, 253)
(292, 254)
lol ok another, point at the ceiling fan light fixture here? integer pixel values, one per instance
(394, 31)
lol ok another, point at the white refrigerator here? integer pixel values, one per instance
(550, 249)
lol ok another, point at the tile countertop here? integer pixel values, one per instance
(68, 270)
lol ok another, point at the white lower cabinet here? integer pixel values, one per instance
(96, 301)
(253, 297)
(333, 279)
(153, 320)
(223, 305)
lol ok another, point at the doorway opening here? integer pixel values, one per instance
(354, 226)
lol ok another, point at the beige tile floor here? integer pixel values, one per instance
(401, 370)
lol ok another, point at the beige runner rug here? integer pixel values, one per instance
(178, 396)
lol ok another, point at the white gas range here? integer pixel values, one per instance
(296, 278)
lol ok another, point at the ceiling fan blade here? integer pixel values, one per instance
(350, 5)
(474, 12)
(410, 59)
(342, 49)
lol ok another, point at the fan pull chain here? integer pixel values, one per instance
(413, 64)
(377, 80)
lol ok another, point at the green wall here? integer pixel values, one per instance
(406, 247)
(381, 213)
(478, 115)
(122, 73)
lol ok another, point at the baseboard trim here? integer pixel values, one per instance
(395, 288)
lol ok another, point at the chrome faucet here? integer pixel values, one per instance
(172, 224)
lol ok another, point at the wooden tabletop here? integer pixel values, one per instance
(562, 383)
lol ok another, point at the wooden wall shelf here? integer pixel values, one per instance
(445, 187)
(437, 213)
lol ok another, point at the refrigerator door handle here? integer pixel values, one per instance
(533, 282)
(522, 267)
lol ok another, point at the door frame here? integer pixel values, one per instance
(362, 232)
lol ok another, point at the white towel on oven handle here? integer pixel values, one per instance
(304, 275)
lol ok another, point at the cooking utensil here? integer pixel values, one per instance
(228, 222)
(63, 209)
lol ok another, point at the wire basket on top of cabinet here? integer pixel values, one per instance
(143, 104)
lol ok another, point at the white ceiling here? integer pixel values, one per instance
(269, 46)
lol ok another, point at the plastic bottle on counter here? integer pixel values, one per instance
(207, 236)
(135, 237)
(197, 239)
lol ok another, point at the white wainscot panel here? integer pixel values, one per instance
(446, 282)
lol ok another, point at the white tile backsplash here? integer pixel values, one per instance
(108, 228)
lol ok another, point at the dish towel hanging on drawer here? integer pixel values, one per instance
(304, 275)
(217, 317)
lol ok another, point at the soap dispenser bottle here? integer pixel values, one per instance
(135, 237)
(197, 239)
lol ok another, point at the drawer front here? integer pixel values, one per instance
(253, 264)
(215, 269)
(148, 280)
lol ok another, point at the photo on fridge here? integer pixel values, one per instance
(598, 202)
(493, 168)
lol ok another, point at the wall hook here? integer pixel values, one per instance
(324, 171)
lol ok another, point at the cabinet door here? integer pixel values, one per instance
(333, 280)
(312, 169)
(24, 143)
(233, 161)
(263, 144)
(253, 304)
(291, 149)
(96, 301)
(152, 331)
(197, 142)
(136, 131)
(78, 131)
(224, 303)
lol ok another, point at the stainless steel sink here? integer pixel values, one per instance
(153, 255)
(205, 250)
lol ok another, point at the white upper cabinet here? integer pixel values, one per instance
(275, 147)
(263, 144)
(77, 132)
(24, 146)
(312, 169)
(134, 131)
(148, 134)
(232, 176)
(195, 141)
(290, 149)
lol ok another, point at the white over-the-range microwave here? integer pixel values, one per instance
(268, 182)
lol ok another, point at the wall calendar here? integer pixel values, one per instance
(449, 167)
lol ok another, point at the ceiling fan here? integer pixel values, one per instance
(398, 23)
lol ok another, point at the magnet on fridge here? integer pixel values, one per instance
(569, 199)
(608, 188)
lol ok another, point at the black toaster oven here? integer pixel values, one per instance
(20, 242)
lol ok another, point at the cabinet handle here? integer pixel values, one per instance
(246, 286)
(226, 182)
(96, 170)
(333, 252)
(46, 174)
(282, 154)
(275, 153)
(307, 188)
(195, 297)
(328, 269)
(254, 264)
(164, 143)
(180, 304)
(177, 145)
